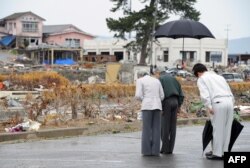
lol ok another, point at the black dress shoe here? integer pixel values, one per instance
(209, 153)
(214, 157)
(166, 153)
(155, 155)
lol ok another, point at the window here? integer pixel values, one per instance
(30, 27)
(216, 56)
(228, 76)
(77, 42)
(183, 55)
(213, 56)
(104, 53)
(232, 77)
(68, 42)
(10, 26)
(91, 53)
(188, 55)
(237, 76)
(72, 42)
(191, 57)
(118, 55)
(207, 56)
(165, 56)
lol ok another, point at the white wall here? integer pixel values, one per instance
(199, 47)
(174, 46)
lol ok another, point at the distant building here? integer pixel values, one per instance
(239, 59)
(21, 29)
(239, 51)
(26, 29)
(65, 35)
(50, 44)
(100, 47)
(166, 51)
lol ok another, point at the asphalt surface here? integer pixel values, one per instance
(112, 150)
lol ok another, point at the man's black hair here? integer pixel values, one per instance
(199, 68)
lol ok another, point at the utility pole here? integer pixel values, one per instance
(227, 30)
(128, 5)
(152, 34)
(130, 10)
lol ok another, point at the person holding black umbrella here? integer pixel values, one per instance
(217, 96)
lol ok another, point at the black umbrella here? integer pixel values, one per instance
(207, 134)
(235, 132)
(183, 29)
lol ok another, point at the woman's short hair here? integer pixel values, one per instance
(199, 68)
(142, 73)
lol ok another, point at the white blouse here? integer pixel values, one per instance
(149, 90)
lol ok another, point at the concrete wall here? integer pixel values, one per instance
(199, 47)
(109, 45)
(112, 70)
(174, 47)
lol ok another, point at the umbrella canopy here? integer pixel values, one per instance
(183, 29)
(207, 134)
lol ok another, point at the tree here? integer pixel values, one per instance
(143, 22)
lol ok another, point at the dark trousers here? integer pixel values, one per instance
(151, 130)
(168, 124)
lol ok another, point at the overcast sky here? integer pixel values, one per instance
(90, 15)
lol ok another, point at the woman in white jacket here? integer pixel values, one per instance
(150, 92)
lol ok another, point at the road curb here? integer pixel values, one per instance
(42, 134)
(69, 132)
(202, 120)
(191, 121)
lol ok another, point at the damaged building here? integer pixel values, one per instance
(44, 44)
(20, 30)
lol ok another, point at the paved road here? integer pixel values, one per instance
(118, 151)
